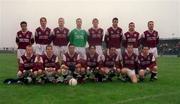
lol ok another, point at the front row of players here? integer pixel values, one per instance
(47, 68)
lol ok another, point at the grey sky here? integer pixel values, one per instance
(165, 13)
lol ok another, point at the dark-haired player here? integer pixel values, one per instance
(130, 63)
(23, 39)
(147, 64)
(113, 36)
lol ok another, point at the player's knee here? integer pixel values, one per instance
(19, 74)
(141, 72)
(124, 70)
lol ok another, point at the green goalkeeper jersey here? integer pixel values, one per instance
(78, 37)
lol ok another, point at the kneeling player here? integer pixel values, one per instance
(130, 63)
(110, 64)
(27, 67)
(147, 64)
(50, 64)
(92, 59)
(71, 64)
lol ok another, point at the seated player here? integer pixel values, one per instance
(147, 64)
(130, 63)
(110, 64)
(50, 64)
(92, 62)
(27, 67)
(72, 65)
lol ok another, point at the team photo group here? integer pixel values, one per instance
(61, 55)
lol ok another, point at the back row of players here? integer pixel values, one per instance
(67, 56)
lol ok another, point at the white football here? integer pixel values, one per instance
(73, 82)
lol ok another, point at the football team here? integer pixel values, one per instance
(57, 55)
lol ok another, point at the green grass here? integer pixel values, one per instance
(164, 91)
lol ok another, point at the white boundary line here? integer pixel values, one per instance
(145, 97)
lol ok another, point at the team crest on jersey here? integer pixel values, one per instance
(25, 61)
(111, 32)
(118, 32)
(127, 35)
(99, 32)
(20, 36)
(135, 35)
(64, 32)
(27, 36)
(39, 33)
(47, 33)
(125, 57)
(46, 60)
(57, 31)
(93, 32)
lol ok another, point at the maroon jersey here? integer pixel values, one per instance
(95, 36)
(27, 63)
(110, 61)
(151, 39)
(148, 61)
(92, 61)
(23, 39)
(131, 38)
(71, 60)
(60, 36)
(113, 37)
(50, 62)
(131, 61)
(43, 37)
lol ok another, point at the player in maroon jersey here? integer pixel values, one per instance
(92, 62)
(60, 38)
(72, 64)
(150, 38)
(110, 64)
(50, 64)
(43, 36)
(147, 64)
(132, 37)
(130, 63)
(23, 39)
(113, 36)
(28, 66)
(95, 36)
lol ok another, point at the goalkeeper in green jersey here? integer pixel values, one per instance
(78, 37)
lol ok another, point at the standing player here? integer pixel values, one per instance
(92, 62)
(110, 64)
(42, 36)
(78, 37)
(113, 36)
(132, 37)
(147, 64)
(95, 36)
(130, 63)
(50, 64)
(27, 67)
(60, 39)
(150, 38)
(23, 39)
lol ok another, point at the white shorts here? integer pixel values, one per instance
(81, 51)
(40, 49)
(20, 52)
(99, 50)
(154, 51)
(130, 72)
(136, 51)
(119, 53)
(60, 50)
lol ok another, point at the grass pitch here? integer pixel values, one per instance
(166, 90)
